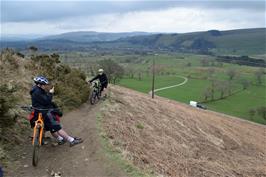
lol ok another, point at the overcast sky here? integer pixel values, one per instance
(53, 17)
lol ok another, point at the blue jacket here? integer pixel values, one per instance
(41, 99)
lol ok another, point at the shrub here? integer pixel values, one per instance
(7, 101)
(71, 88)
(262, 111)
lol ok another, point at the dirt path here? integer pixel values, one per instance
(86, 159)
(172, 86)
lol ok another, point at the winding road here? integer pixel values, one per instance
(172, 86)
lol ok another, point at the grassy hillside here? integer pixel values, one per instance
(171, 139)
(240, 42)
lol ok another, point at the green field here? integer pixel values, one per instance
(237, 104)
(144, 85)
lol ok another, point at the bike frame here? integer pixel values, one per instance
(38, 124)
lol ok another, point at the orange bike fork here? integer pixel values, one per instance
(39, 123)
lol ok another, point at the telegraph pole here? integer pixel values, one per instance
(153, 75)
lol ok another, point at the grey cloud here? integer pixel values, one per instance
(21, 11)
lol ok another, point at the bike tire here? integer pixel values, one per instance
(93, 98)
(36, 148)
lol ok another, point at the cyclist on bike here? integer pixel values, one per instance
(103, 81)
(41, 96)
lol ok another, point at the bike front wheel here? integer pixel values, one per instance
(93, 97)
(36, 148)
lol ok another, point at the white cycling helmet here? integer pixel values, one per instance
(100, 71)
(41, 80)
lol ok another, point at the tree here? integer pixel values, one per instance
(189, 64)
(157, 68)
(113, 70)
(139, 76)
(231, 72)
(130, 71)
(258, 74)
(251, 112)
(262, 111)
(214, 84)
(204, 62)
(207, 93)
(245, 84)
(33, 50)
(211, 71)
(222, 86)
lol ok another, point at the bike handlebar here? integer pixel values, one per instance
(31, 108)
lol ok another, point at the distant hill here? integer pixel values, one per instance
(92, 36)
(232, 42)
(238, 42)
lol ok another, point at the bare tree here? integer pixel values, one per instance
(258, 74)
(244, 83)
(129, 71)
(139, 76)
(211, 71)
(207, 93)
(222, 87)
(204, 62)
(113, 70)
(230, 87)
(213, 86)
(231, 72)
(157, 68)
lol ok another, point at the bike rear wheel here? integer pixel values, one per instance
(93, 97)
(36, 148)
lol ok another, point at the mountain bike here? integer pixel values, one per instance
(38, 132)
(95, 92)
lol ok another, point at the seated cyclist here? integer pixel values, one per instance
(41, 97)
(103, 81)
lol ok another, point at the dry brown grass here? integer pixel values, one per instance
(15, 72)
(178, 140)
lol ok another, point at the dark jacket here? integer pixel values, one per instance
(41, 99)
(103, 78)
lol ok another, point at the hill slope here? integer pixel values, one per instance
(233, 42)
(238, 42)
(173, 139)
(91, 36)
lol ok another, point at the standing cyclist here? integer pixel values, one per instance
(41, 97)
(103, 80)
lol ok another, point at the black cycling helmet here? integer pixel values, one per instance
(41, 80)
